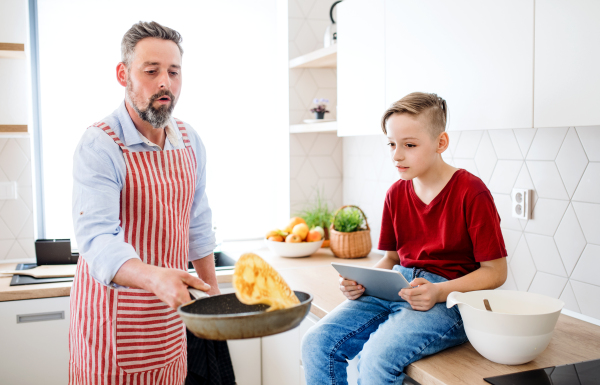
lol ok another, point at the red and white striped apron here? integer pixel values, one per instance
(129, 336)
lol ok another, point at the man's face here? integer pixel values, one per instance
(412, 147)
(154, 80)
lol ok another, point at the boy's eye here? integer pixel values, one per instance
(391, 144)
(410, 145)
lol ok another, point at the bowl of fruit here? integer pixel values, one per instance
(296, 240)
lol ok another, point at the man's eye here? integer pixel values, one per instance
(174, 73)
(151, 72)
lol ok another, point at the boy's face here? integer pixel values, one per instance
(412, 147)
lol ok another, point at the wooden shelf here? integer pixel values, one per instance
(322, 58)
(16, 130)
(12, 51)
(313, 127)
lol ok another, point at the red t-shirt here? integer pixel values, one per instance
(450, 235)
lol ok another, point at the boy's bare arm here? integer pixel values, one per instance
(390, 259)
(490, 275)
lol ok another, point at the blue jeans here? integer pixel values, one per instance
(386, 335)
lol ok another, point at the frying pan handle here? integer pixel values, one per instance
(197, 294)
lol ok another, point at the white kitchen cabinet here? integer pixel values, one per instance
(567, 59)
(34, 336)
(246, 360)
(361, 67)
(281, 358)
(478, 55)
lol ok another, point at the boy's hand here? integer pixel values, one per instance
(350, 288)
(423, 297)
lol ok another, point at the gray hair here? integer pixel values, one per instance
(143, 30)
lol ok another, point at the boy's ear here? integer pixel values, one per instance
(443, 142)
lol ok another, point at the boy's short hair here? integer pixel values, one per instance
(415, 104)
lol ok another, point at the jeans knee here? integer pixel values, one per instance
(312, 342)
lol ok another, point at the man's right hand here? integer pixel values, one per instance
(351, 289)
(170, 285)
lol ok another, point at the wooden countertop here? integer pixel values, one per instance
(573, 341)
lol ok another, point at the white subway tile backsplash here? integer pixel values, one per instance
(548, 284)
(588, 189)
(590, 138)
(588, 215)
(571, 161)
(568, 297)
(569, 240)
(547, 180)
(506, 145)
(545, 254)
(546, 143)
(588, 267)
(546, 216)
(504, 176)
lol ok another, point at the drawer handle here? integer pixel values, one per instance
(39, 317)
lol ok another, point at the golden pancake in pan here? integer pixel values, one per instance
(256, 282)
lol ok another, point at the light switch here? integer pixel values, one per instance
(8, 190)
(521, 203)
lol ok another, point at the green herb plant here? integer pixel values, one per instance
(348, 220)
(317, 214)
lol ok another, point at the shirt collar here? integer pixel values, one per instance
(132, 136)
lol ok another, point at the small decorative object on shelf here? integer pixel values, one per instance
(320, 109)
(349, 233)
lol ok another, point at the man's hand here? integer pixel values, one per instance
(351, 289)
(170, 285)
(423, 297)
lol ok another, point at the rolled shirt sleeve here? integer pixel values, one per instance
(202, 236)
(97, 184)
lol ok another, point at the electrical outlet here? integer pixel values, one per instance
(8, 190)
(521, 203)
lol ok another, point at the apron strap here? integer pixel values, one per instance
(184, 135)
(112, 134)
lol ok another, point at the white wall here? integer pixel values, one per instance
(316, 159)
(557, 252)
(16, 216)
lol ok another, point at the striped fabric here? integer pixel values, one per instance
(129, 336)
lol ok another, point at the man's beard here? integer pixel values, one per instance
(157, 117)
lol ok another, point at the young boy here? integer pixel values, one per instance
(441, 230)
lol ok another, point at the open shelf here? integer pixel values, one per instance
(321, 58)
(313, 127)
(12, 51)
(13, 130)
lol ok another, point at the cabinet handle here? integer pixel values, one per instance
(39, 317)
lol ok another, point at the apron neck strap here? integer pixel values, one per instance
(112, 134)
(181, 126)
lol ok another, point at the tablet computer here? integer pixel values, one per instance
(380, 283)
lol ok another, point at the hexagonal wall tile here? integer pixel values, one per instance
(522, 266)
(571, 161)
(590, 138)
(467, 144)
(324, 77)
(524, 138)
(548, 284)
(545, 255)
(505, 175)
(546, 216)
(14, 213)
(511, 240)
(589, 185)
(504, 207)
(569, 240)
(307, 178)
(467, 164)
(546, 143)
(587, 297)
(568, 296)
(485, 158)
(505, 144)
(588, 215)
(547, 180)
(588, 267)
(12, 160)
(306, 88)
(325, 144)
(325, 167)
(306, 41)
(454, 137)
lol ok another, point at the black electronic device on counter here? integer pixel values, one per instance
(18, 280)
(55, 252)
(581, 373)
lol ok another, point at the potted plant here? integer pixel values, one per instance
(350, 235)
(320, 109)
(318, 217)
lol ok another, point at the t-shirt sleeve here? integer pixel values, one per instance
(483, 223)
(387, 236)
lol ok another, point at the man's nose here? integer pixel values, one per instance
(164, 81)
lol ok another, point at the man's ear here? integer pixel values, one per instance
(443, 142)
(122, 74)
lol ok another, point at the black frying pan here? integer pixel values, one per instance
(224, 317)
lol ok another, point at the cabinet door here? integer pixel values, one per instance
(567, 59)
(281, 358)
(361, 67)
(478, 55)
(246, 360)
(34, 336)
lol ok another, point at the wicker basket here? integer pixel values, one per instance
(356, 244)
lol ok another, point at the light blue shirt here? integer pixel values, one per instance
(99, 171)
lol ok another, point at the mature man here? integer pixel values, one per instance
(140, 213)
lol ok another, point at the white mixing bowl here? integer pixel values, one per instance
(518, 328)
(293, 250)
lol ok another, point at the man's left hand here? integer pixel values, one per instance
(423, 297)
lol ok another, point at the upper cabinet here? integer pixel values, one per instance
(478, 55)
(361, 66)
(567, 61)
